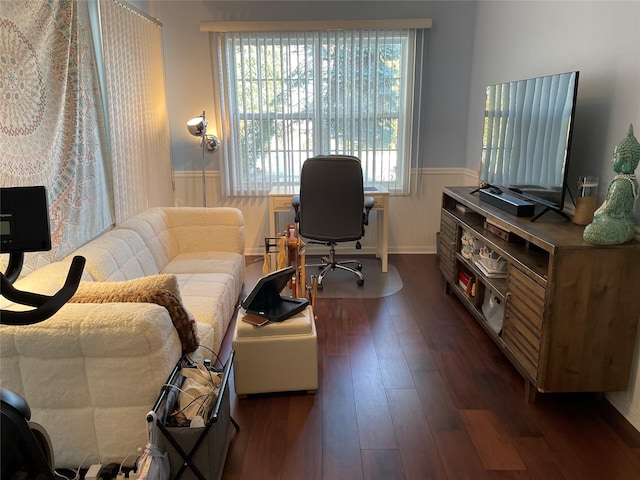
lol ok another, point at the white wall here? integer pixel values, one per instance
(601, 39)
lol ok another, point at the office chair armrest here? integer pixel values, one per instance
(369, 202)
(295, 203)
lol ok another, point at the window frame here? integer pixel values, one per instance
(403, 115)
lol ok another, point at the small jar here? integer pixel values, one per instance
(586, 201)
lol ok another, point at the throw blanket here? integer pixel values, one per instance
(159, 289)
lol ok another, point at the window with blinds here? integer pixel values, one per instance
(290, 95)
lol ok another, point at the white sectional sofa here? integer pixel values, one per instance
(92, 371)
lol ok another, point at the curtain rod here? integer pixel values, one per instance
(307, 25)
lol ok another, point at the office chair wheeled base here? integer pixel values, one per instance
(330, 263)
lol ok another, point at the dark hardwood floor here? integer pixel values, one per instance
(411, 387)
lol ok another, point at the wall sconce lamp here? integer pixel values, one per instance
(197, 127)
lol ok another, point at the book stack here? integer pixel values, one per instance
(488, 272)
(461, 208)
(497, 230)
(468, 283)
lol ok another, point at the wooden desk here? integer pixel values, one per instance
(280, 201)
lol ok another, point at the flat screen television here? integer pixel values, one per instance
(526, 141)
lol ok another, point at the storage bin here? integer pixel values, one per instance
(493, 310)
(277, 357)
(196, 453)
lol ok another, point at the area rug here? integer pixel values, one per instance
(342, 284)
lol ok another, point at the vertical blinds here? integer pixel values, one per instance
(135, 94)
(288, 95)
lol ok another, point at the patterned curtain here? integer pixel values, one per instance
(52, 129)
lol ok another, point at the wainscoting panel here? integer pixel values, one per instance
(413, 219)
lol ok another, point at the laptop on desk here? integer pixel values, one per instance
(265, 299)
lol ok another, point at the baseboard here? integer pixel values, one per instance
(421, 250)
(626, 409)
(627, 426)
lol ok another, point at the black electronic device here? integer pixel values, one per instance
(24, 225)
(526, 139)
(24, 220)
(513, 205)
(265, 299)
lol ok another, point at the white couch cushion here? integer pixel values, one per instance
(119, 254)
(226, 263)
(211, 299)
(154, 229)
(198, 229)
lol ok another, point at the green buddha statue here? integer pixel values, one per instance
(613, 222)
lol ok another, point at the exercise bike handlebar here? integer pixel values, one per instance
(45, 305)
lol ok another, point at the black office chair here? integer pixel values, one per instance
(331, 208)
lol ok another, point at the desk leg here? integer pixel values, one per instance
(383, 237)
(272, 218)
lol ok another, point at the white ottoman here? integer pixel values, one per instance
(277, 357)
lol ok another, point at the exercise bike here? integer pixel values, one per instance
(26, 450)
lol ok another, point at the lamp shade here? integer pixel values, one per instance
(197, 126)
(212, 143)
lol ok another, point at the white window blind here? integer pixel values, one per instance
(288, 95)
(135, 98)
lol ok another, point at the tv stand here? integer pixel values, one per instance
(566, 323)
(550, 209)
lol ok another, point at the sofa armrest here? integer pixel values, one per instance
(90, 373)
(125, 330)
(198, 229)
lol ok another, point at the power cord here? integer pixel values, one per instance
(58, 474)
(217, 359)
(121, 474)
(76, 472)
